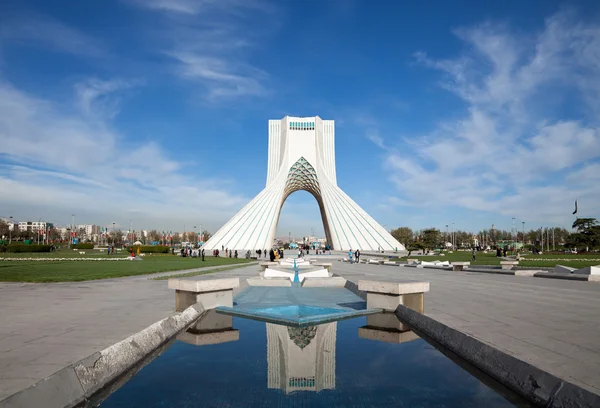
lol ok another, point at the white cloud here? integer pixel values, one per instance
(97, 97)
(513, 152)
(209, 43)
(373, 136)
(44, 31)
(62, 162)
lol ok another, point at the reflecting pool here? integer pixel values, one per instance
(235, 362)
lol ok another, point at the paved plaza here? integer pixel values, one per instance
(553, 324)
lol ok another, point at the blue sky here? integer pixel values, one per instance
(156, 111)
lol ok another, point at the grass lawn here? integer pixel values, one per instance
(69, 271)
(528, 260)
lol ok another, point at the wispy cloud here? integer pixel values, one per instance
(512, 152)
(373, 136)
(44, 31)
(98, 97)
(210, 43)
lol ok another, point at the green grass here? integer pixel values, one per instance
(185, 275)
(528, 260)
(70, 271)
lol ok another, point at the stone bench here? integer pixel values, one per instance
(459, 266)
(388, 295)
(508, 265)
(375, 261)
(390, 263)
(211, 292)
(265, 265)
(411, 260)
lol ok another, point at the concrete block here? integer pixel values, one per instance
(336, 281)
(204, 339)
(588, 270)
(209, 300)
(390, 263)
(386, 321)
(395, 288)
(389, 302)
(506, 265)
(459, 266)
(265, 265)
(212, 321)
(203, 285)
(386, 336)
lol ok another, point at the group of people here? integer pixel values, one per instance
(356, 256)
(191, 252)
(275, 254)
(229, 253)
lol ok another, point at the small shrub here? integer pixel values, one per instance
(21, 248)
(83, 246)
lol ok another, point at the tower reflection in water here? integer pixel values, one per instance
(301, 358)
(298, 358)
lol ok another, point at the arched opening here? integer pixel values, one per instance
(300, 210)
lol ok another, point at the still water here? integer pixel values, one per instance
(336, 364)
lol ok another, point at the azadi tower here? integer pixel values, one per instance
(302, 157)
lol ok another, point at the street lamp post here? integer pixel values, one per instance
(11, 226)
(113, 233)
(453, 240)
(523, 222)
(195, 236)
(512, 232)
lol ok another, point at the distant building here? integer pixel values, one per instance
(33, 226)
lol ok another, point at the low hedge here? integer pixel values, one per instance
(19, 248)
(153, 249)
(83, 246)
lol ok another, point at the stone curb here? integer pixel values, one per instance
(537, 386)
(77, 382)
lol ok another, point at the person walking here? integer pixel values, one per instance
(357, 255)
(202, 255)
(350, 255)
(473, 255)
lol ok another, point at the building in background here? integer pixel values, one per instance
(32, 226)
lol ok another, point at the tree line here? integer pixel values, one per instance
(586, 236)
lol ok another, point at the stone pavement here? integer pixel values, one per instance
(45, 327)
(553, 324)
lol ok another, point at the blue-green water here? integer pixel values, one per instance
(328, 365)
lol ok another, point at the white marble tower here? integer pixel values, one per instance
(302, 157)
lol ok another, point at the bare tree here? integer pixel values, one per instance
(177, 238)
(207, 235)
(116, 237)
